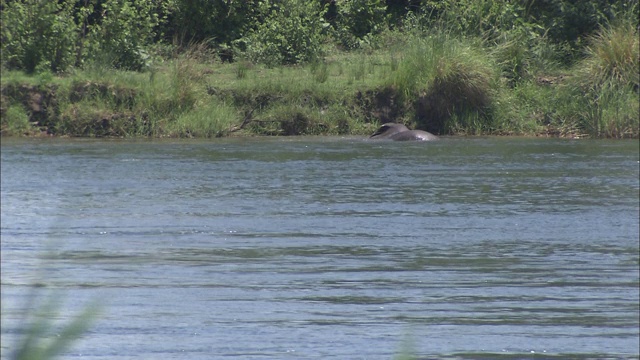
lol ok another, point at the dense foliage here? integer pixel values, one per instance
(38, 35)
(289, 33)
(50, 35)
(207, 68)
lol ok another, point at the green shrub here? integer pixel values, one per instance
(291, 33)
(358, 20)
(222, 22)
(168, 93)
(571, 22)
(358, 68)
(15, 121)
(121, 36)
(612, 113)
(38, 35)
(565, 23)
(55, 35)
(521, 58)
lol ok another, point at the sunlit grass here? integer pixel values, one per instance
(453, 83)
(613, 56)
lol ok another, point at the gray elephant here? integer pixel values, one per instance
(399, 132)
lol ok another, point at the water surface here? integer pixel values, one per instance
(327, 248)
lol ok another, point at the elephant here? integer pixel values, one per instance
(399, 132)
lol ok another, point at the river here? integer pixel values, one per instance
(325, 247)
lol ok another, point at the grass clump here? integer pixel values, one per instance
(449, 84)
(211, 119)
(320, 71)
(613, 56)
(601, 97)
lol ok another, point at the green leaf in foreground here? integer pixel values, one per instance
(44, 339)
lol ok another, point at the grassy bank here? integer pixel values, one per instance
(437, 82)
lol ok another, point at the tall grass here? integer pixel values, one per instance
(523, 109)
(320, 71)
(602, 96)
(613, 57)
(211, 119)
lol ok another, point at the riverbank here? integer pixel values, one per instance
(444, 85)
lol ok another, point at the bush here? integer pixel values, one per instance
(570, 22)
(564, 23)
(222, 22)
(291, 33)
(38, 35)
(120, 38)
(357, 20)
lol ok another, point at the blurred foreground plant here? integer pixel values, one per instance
(43, 336)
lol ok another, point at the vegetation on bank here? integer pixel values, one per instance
(291, 67)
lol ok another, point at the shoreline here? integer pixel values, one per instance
(42, 101)
(187, 98)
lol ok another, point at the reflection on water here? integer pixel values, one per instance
(329, 247)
